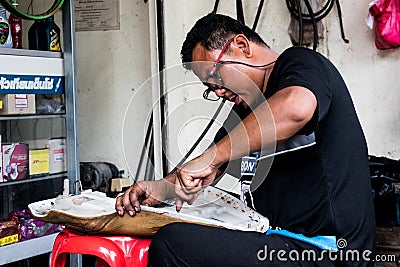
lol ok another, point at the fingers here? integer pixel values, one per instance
(129, 201)
(182, 196)
(189, 184)
(119, 206)
(193, 189)
(195, 196)
(150, 201)
(178, 204)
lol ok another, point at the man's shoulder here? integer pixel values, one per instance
(300, 57)
(299, 51)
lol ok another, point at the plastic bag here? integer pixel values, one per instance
(386, 14)
(30, 227)
(385, 182)
(48, 106)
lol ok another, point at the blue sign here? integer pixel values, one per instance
(31, 84)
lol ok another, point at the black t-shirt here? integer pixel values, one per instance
(324, 187)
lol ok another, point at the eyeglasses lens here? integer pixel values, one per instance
(210, 95)
(214, 82)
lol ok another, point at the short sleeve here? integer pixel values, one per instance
(306, 68)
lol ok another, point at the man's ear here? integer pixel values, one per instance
(243, 44)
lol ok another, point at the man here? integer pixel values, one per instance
(317, 189)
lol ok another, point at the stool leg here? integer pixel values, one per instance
(95, 246)
(59, 260)
(101, 263)
(140, 250)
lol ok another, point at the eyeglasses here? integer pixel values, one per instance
(214, 80)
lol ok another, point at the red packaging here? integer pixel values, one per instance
(16, 30)
(15, 162)
(386, 15)
(9, 232)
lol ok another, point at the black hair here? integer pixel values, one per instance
(212, 32)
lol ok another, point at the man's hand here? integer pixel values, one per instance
(147, 193)
(193, 177)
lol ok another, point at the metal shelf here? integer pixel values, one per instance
(26, 249)
(34, 247)
(29, 117)
(30, 53)
(34, 179)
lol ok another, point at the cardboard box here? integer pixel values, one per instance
(39, 161)
(18, 104)
(15, 161)
(37, 143)
(57, 152)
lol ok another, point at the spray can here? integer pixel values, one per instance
(16, 29)
(44, 35)
(5, 33)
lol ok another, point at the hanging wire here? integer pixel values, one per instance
(341, 22)
(30, 7)
(315, 16)
(318, 15)
(260, 6)
(18, 12)
(314, 23)
(301, 31)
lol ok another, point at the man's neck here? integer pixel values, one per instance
(269, 56)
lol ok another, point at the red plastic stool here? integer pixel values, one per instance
(116, 251)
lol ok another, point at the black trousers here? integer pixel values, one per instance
(181, 244)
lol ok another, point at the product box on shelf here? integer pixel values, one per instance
(57, 153)
(15, 161)
(36, 143)
(15, 104)
(39, 161)
(9, 232)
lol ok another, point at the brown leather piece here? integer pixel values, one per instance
(143, 224)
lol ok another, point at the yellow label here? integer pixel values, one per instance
(54, 41)
(1, 104)
(8, 240)
(39, 161)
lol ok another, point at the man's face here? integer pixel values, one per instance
(227, 81)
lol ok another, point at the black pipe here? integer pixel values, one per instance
(215, 6)
(145, 147)
(161, 67)
(210, 123)
(239, 12)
